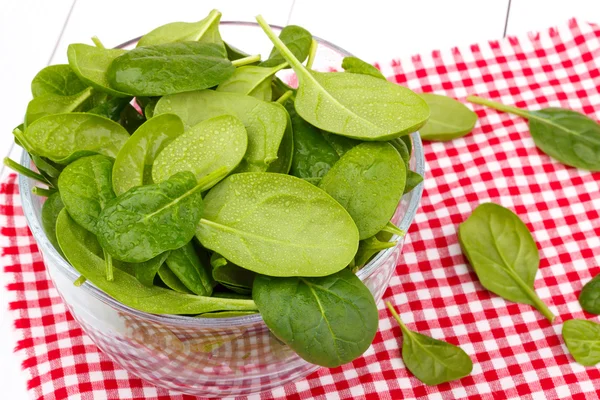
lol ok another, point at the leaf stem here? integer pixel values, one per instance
(391, 228)
(246, 60)
(97, 42)
(109, 266)
(499, 106)
(403, 327)
(46, 166)
(537, 302)
(25, 171)
(284, 97)
(279, 45)
(311, 54)
(38, 191)
(79, 281)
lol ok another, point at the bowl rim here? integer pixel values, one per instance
(34, 223)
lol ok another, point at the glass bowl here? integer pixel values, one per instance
(201, 356)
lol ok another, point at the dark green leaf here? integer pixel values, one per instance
(278, 225)
(583, 341)
(353, 105)
(412, 181)
(148, 220)
(234, 53)
(187, 266)
(171, 280)
(589, 298)
(131, 119)
(449, 119)
(49, 104)
(567, 136)
(368, 181)
(50, 210)
(146, 271)
(231, 276)
(56, 79)
(170, 68)
(65, 137)
(85, 187)
(74, 241)
(297, 40)
(432, 361)
(133, 165)
(219, 142)
(286, 148)
(111, 108)
(90, 64)
(328, 321)
(357, 66)
(503, 254)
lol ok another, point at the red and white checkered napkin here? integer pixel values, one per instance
(516, 352)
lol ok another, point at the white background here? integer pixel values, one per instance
(35, 33)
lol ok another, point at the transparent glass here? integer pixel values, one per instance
(204, 357)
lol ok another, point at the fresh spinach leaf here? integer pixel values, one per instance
(47, 169)
(133, 165)
(503, 254)
(252, 81)
(170, 68)
(328, 321)
(589, 298)
(234, 53)
(185, 263)
(49, 104)
(125, 288)
(148, 220)
(412, 181)
(65, 137)
(583, 341)
(111, 108)
(286, 148)
(277, 225)
(131, 119)
(58, 80)
(297, 40)
(449, 119)
(146, 271)
(205, 30)
(170, 280)
(231, 276)
(367, 248)
(368, 181)
(50, 210)
(90, 64)
(353, 105)
(357, 66)
(265, 122)
(430, 360)
(215, 143)
(85, 188)
(567, 136)
(226, 314)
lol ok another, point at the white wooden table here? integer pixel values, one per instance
(35, 33)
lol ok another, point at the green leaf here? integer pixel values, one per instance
(205, 31)
(131, 119)
(430, 360)
(185, 263)
(412, 181)
(215, 143)
(231, 276)
(265, 122)
(357, 66)
(283, 164)
(328, 321)
(353, 105)
(146, 271)
(297, 40)
(449, 119)
(503, 254)
(111, 108)
(583, 341)
(75, 242)
(50, 210)
(252, 81)
(565, 135)
(170, 68)
(48, 104)
(56, 79)
(589, 298)
(65, 137)
(277, 225)
(85, 188)
(148, 220)
(233, 53)
(171, 280)
(367, 248)
(90, 64)
(226, 314)
(133, 165)
(368, 181)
